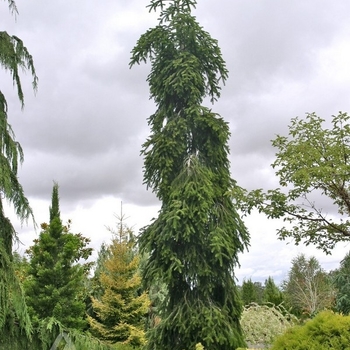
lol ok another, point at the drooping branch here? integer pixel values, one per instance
(14, 56)
(13, 7)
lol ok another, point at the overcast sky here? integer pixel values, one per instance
(85, 126)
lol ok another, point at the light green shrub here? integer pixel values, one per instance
(327, 330)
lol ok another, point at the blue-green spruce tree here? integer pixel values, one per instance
(194, 243)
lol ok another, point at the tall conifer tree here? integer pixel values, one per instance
(14, 318)
(272, 294)
(194, 243)
(249, 292)
(55, 285)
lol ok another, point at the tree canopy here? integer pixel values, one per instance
(194, 243)
(312, 164)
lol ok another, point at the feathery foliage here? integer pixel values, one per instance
(50, 334)
(14, 318)
(194, 243)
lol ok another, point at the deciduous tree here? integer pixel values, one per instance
(312, 163)
(194, 243)
(308, 288)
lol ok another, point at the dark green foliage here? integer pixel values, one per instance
(341, 281)
(55, 285)
(14, 319)
(13, 57)
(327, 331)
(248, 292)
(272, 294)
(259, 288)
(194, 243)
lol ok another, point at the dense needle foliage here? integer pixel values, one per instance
(119, 308)
(194, 243)
(55, 285)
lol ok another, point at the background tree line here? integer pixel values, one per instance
(307, 290)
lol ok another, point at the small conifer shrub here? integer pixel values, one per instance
(327, 330)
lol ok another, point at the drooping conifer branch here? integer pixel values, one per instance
(14, 319)
(194, 243)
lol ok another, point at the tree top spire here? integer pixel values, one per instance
(55, 205)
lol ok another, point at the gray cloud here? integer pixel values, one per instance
(85, 126)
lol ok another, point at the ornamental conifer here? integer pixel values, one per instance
(193, 244)
(119, 308)
(55, 286)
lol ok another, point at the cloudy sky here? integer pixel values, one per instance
(85, 126)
